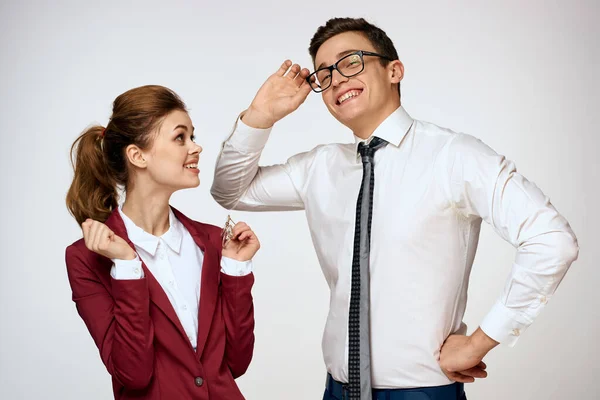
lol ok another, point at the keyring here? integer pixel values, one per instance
(227, 232)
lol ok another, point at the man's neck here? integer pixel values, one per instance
(365, 128)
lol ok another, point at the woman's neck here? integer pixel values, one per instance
(149, 211)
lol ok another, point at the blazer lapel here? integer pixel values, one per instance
(209, 289)
(157, 294)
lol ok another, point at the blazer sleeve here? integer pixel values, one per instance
(238, 314)
(119, 322)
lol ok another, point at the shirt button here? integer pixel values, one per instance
(543, 299)
(184, 307)
(137, 270)
(516, 332)
(198, 381)
(171, 283)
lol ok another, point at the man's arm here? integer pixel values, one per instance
(241, 184)
(483, 184)
(239, 181)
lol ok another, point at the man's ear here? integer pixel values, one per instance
(396, 69)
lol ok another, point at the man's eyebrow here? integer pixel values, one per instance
(338, 56)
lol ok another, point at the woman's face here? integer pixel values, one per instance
(172, 159)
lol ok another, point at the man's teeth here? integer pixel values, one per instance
(192, 166)
(347, 95)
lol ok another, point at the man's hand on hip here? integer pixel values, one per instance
(461, 357)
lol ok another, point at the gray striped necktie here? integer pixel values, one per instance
(359, 349)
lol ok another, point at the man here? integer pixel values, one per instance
(395, 220)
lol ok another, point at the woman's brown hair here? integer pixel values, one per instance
(98, 154)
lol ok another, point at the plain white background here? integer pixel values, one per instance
(522, 76)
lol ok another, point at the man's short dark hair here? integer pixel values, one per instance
(378, 38)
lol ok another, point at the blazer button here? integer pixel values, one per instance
(199, 381)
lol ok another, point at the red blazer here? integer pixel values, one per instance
(140, 338)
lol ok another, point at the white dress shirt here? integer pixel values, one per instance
(433, 187)
(176, 262)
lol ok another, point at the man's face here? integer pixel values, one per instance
(356, 100)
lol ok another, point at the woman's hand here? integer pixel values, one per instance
(242, 245)
(101, 240)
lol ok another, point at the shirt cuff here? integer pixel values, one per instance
(232, 267)
(503, 325)
(248, 139)
(127, 269)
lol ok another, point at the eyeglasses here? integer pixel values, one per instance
(348, 66)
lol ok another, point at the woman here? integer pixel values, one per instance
(169, 308)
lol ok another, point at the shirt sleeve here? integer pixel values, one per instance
(232, 267)
(127, 269)
(484, 184)
(241, 184)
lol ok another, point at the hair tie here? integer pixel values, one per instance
(101, 139)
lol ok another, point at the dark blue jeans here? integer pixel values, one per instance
(337, 391)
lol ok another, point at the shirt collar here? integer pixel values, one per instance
(148, 242)
(392, 129)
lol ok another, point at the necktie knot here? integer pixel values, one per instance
(368, 150)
